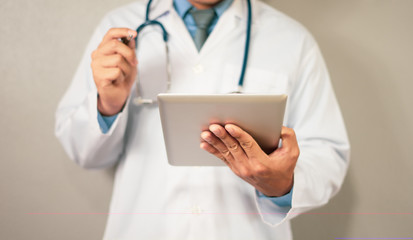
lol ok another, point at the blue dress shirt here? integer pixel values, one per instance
(183, 7)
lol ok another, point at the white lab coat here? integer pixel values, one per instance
(153, 200)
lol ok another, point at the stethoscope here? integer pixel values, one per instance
(139, 100)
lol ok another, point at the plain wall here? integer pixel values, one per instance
(367, 45)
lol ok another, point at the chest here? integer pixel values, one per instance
(217, 67)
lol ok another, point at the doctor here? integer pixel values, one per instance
(255, 197)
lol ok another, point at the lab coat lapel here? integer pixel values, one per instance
(160, 8)
(179, 36)
(226, 24)
(233, 21)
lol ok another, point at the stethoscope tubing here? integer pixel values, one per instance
(247, 47)
(165, 39)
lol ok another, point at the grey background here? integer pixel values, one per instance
(367, 45)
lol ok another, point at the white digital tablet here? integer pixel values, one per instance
(184, 117)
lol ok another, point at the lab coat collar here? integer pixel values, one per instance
(234, 17)
(183, 7)
(239, 10)
(160, 8)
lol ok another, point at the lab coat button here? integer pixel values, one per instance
(196, 210)
(198, 69)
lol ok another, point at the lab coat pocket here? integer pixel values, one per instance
(255, 81)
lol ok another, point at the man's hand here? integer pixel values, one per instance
(271, 174)
(114, 70)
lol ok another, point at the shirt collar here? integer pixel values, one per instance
(182, 7)
(222, 6)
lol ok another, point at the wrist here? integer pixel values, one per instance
(107, 109)
(283, 188)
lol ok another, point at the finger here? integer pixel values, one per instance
(215, 142)
(113, 61)
(116, 47)
(108, 76)
(118, 33)
(247, 143)
(289, 140)
(207, 147)
(132, 43)
(231, 144)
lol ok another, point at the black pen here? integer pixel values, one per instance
(126, 40)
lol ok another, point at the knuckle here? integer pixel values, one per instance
(212, 141)
(233, 147)
(286, 149)
(290, 132)
(223, 135)
(118, 72)
(111, 31)
(247, 145)
(293, 133)
(296, 153)
(260, 170)
(129, 53)
(212, 151)
(222, 158)
(115, 74)
(225, 152)
(93, 54)
(244, 173)
(113, 43)
(118, 58)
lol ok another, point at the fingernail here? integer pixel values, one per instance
(205, 136)
(131, 34)
(215, 130)
(229, 129)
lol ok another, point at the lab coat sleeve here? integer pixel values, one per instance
(313, 112)
(77, 125)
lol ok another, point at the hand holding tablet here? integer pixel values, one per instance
(185, 117)
(271, 174)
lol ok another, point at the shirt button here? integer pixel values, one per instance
(198, 69)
